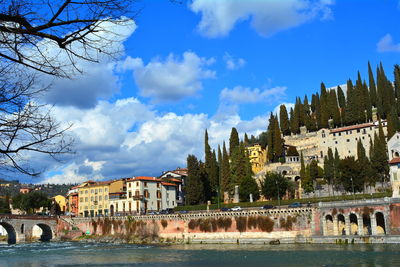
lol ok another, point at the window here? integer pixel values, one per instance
(358, 130)
(334, 134)
(137, 183)
(105, 197)
(350, 132)
(336, 142)
(86, 192)
(129, 184)
(95, 198)
(145, 184)
(81, 199)
(158, 185)
(91, 198)
(146, 194)
(96, 191)
(100, 190)
(158, 194)
(348, 140)
(105, 189)
(100, 198)
(86, 199)
(130, 194)
(364, 131)
(91, 191)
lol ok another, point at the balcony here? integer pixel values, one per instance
(137, 197)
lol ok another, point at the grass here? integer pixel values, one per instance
(286, 202)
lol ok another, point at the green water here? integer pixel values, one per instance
(79, 254)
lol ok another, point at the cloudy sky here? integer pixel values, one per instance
(213, 65)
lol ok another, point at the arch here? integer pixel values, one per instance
(284, 172)
(297, 178)
(367, 224)
(341, 224)
(112, 210)
(42, 231)
(11, 234)
(380, 223)
(353, 224)
(328, 225)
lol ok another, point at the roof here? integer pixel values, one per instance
(174, 180)
(394, 161)
(145, 178)
(353, 127)
(168, 184)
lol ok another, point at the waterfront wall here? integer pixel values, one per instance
(363, 221)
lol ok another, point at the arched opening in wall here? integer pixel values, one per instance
(22, 228)
(367, 224)
(284, 173)
(8, 233)
(112, 210)
(329, 225)
(396, 154)
(341, 224)
(380, 223)
(297, 178)
(42, 232)
(353, 224)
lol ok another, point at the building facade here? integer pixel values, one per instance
(177, 177)
(144, 194)
(258, 157)
(94, 197)
(394, 163)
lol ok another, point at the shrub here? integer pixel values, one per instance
(192, 224)
(164, 223)
(241, 223)
(94, 224)
(214, 224)
(265, 224)
(289, 223)
(252, 222)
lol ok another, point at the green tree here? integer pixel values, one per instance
(194, 184)
(248, 186)
(278, 142)
(350, 175)
(210, 164)
(372, 86)
(31, 202)
(284, 120)
(225, 170)
(233, 140)
(274, 185)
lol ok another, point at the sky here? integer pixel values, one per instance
(205, 64)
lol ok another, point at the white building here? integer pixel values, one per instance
(394, 163)
(143, 194)
(177, 177)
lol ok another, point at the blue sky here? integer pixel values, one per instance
(210, 64)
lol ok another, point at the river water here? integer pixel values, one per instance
(84, 254)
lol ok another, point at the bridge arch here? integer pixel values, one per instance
(42, 231)
(11, 234)
(380, 223)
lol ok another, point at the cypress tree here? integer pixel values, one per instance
(334, 108)
(368, 104)
(324, 116)
(307, 114)
(372, 86)
(363, 163)
(246, 140)
(391, 124)
(238, 165)
(210, 165)
(294, 120)
(233, 140)
(278, 142)
(219, 171)
(351, 106)
(270, 138)
(225, 170)
(341, 97)
(396, 75)
(194, 186)
(284, 120)
(329, 169)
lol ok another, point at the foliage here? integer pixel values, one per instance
(31, 201)
(248, 186)
(274, 186)
(194, 184)
(350, 175)
(164, 223)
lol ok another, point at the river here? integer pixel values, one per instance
(85, 254)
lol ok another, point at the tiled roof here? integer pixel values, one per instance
(174, 180)
(394, 161)
(145, 178)
(352, 127)
(168, 184)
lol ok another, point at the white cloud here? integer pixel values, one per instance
(287, 105)
(171, 79)
(233, 63)
(267, 17)
(128, 138)
(98, 80)
(386, 44)
(242, 95)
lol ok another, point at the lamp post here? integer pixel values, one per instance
(352, 187)
(277, 186)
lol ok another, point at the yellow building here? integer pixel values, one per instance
(258, 157)
(94, 197)
(61, 201)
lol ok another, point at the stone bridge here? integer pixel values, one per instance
(24, 227)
